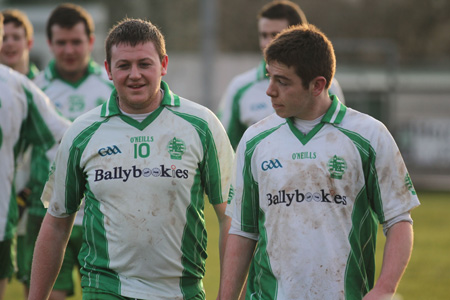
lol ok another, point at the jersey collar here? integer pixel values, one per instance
(261, 73)
(334, 116)
(33, 71)
(111, 108)
(51, 73)
(335, 113)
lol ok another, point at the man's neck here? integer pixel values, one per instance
(71, 76)
(22, 67)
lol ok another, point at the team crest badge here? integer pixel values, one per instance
(337, 167)
(409, 184)
(176, 148)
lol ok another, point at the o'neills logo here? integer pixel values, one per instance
(286, 198)
(120, 173)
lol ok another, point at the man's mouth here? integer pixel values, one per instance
(136, 86)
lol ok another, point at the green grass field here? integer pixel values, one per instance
(428, 273)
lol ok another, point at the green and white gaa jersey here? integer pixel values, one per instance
(245, 101)
(314, 203)
(25, 113)
(145, 185)
(72, 100)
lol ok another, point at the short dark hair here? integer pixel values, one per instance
(305, 48)
(67, 15)
(283, 10)
(132, 32)
(19, 19)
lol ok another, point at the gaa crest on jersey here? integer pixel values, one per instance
(409, 184)
(337, 167)
(176, 148)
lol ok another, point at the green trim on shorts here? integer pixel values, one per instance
(6, 259)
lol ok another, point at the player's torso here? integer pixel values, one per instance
(140, 182)
(307, 193)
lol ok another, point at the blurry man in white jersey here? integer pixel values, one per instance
(145, 162)
(15, 53)
(25, 114)
(313, 182)
(76, 84)
(245, 101)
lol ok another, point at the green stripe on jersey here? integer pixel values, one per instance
(249, 221)
(93, 227)
(235, 128)
(264, 283)
(194, 267)
(360, 271)
(41, 132)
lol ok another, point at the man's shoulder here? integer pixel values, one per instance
(85, 121)
(11, 76)
(362, 124)
(40, 80)
(241, 80)
(12, 81)
(190, 107)
(270, 123)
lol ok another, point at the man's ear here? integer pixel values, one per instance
(107, 68)
(317, 85)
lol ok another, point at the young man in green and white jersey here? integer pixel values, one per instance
(17, 43)
(25, 113)
(76, 85)
(144, 161)
(313, 182)
(15, 53)
(245, 101)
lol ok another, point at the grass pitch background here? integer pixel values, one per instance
(427, 276)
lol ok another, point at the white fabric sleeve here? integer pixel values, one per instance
(406, 216)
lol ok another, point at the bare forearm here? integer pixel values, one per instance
(397, 252)
(48, 255)
(224, 227)
(238, 254)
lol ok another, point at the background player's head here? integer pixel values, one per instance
(136, 60)
(307, 50)
(17, 39)
(275, 17)
(70, 36)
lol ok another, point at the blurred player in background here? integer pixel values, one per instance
(25, 113)
(15, 53)
(245, 101)
(75, 84)
(17, 43)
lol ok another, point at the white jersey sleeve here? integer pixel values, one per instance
(25, 113)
